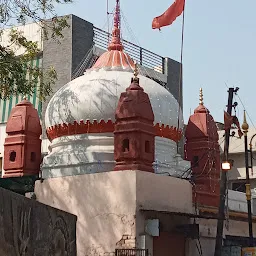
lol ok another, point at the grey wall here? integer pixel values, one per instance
(82, 39)
(172, 70)
(66, 54)
(30, 228)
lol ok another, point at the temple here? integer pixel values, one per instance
(113, 162)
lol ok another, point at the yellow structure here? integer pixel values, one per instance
(250, 251)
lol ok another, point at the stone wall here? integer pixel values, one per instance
(34, 229)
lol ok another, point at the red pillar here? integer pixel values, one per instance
(134, 134)
(202, 149)
(22, 148)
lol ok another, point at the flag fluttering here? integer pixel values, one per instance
(170, 15)
(229, 120)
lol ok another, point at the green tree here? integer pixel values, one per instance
(17, 75)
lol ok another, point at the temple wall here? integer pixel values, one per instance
(107, 205)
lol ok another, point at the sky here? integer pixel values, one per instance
(219, 45)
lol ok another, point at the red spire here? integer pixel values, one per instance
(203, 150)
(134, 134)
(115, 43)
(115, 58)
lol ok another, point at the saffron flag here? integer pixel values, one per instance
(168, 17)
(229, 120)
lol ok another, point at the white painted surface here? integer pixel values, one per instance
(237, 201)
(93, 153)
(106, 203)
(94, 96)
(236, 144)
(79, 154)
(31, 31)
(163, 193)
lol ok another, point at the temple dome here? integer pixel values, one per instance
(80, 117)
(94, 96)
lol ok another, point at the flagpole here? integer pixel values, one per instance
(181, 69)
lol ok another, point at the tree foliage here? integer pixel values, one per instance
(17, 74)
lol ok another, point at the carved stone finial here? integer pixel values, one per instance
(201, 97)
(116, 43)
(245, 125)
(136, 71)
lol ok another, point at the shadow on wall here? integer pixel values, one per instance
(104, 206)
(33, 229)
(69, 97)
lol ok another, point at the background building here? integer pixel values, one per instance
(237, 175)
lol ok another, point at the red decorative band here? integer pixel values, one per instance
(60, 130)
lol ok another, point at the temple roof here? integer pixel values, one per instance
(115, 58)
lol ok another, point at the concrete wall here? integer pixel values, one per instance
(82, 39)
(163, 193)
(108, 205)
(30, 228)
(172, 70)
(105, 204)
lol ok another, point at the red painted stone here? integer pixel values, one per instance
(202, 149)
(22, 148)
(134, 135)
(60, 130)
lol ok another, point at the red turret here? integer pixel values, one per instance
(202, 149)
(22, 148)
(134, 130)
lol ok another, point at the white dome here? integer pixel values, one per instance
(94, 96)
(78, 147)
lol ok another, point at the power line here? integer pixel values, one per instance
(243, 107)
(246, 111)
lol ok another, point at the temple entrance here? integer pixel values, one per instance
(168, 244)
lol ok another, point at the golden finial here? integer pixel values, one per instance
(201, 97)
(245, 125)
(136, 71)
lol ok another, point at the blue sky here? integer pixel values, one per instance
(219, 45)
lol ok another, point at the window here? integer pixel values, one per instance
(33, 157)
(195, 161)
(147, 146)
(12, 156)
(239, 186)
(126, 145)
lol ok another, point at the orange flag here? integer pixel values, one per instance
(168, 17)
(229, 120)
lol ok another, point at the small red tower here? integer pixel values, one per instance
(22, 148)
(134, 132)
(202, 149)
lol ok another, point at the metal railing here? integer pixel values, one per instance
(131, 252)
(144, 57)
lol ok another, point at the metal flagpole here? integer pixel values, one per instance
(181, 68)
